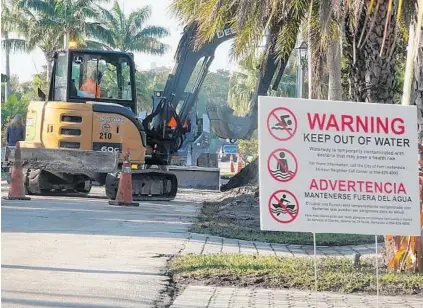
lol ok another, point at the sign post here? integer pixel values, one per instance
(338, 167)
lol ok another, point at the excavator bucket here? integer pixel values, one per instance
(64, 160)
(226, 125)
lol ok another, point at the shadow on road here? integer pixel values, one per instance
(44, 303)
(82, 216)
(76, 270)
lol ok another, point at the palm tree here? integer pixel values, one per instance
(36, 34)
(68, 16)
(413, 83)
(242, 84)
(51, 24)
(372, 36)
(324, 49)
(277, 20)
(417, 96)
(9, 16)
(131, 34)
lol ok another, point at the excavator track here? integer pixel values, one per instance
(43, 183)
(147, 185)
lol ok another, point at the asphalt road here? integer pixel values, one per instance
(82, 252)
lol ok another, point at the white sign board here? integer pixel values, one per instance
(338, 167)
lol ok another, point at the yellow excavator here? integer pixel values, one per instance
(78, 133)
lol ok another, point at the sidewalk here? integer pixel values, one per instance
(201, 244)
(223, 297)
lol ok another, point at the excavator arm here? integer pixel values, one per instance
(167, 124)
(224, 123)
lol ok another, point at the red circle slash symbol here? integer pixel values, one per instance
(283, 206)
(282, 123)
(282, 165)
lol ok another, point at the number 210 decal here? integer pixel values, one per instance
(105, 135)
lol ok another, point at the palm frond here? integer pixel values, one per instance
(118, 16)
(153, 32)
(44, 7)
(149, 45)
(103, 34)
(88, 3)
(137, 18)
(387, 22)
(96, 45)
(186, 10)
(217, 6)
(16, 45)
(105, 16)
(89, 12)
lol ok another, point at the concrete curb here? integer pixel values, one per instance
(202, 244)
(222, 297)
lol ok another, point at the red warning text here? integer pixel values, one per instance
(355, 124)
(358, 186)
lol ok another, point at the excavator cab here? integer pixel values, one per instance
(93, 75)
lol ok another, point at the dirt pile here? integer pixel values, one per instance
(236, 214)
(240, 206)
(248, 176)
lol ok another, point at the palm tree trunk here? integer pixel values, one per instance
(334, 70)
(7, 89)
(372, 75)
(66, 39)
(417, 96)
(316, 57)
(49, 59)
(317, 63)
(312, 63)
(417, 84)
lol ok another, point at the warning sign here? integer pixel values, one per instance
(282, 123)
(283, 206)
(338, 167)
(282, 165)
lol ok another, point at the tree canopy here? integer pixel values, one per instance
(131, 33)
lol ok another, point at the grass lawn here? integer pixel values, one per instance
(239, 218)
(334, 274)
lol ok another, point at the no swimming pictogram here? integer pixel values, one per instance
(282, 123)
(282, 165)
(283, 206)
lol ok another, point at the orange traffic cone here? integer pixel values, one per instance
(232, 165)
(239, 166)
(16, 188)
(124, 193)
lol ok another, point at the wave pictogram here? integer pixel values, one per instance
(279, 127)
(282, 174)
(277, 209)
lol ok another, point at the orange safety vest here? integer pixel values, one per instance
(172, 123)
(89, 86)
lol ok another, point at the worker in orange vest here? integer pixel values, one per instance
(172, 124)
(91, 87)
